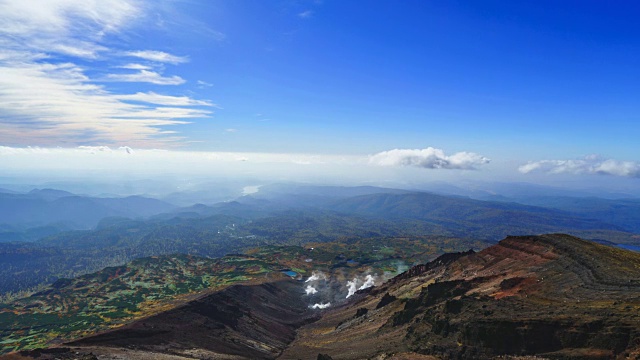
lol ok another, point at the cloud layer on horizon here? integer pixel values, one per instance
(592, 164)
(429, 158)
(101, 156)
(99, 162)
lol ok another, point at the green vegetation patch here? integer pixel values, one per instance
(72, 308)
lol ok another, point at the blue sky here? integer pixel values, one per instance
(523, 90)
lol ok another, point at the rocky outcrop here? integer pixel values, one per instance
(440, 261)
(553, 296)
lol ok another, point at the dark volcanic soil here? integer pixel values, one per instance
(255, 322)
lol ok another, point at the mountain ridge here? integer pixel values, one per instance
(552, 296)
(44, 212)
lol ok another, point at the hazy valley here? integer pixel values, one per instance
(139, 277)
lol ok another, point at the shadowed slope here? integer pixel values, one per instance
(252, 321)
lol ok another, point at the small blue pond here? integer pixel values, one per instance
(290, 273)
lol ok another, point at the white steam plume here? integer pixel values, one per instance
(352, 287)
(368, 282)
(316, 275)
(310, 290)
(360, 284)
(321, 306)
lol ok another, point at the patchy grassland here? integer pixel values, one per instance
(73, 308)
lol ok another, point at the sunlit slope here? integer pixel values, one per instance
(553, 295)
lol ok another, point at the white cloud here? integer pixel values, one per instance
(94, 149)
(135, 66)
(591, 164)
(80, 49)
(48, 104)
(157, 56)
(70, 27)
(429, 158)
(99, 149)
(305, 14)
(147, 77)
(231, 130)
(153, 98)
(47, 99)
(203, 84)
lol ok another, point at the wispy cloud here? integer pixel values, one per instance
(94, 149)
(47, 99)
(429, 158)
(305, 14)
(50, 103)
(147, 76)
(135, 66)
(592, 164)
(70, 27)
(153, 98)
(157, 56)
(203, 84)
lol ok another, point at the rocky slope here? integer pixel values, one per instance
(255, 322)
(554, 296)
(549, 296)
(240, 322)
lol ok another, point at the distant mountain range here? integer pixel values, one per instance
(460, 216)
(59, 210)
(72, 235)
(467, 214)
(42, 212)
(624, 213)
